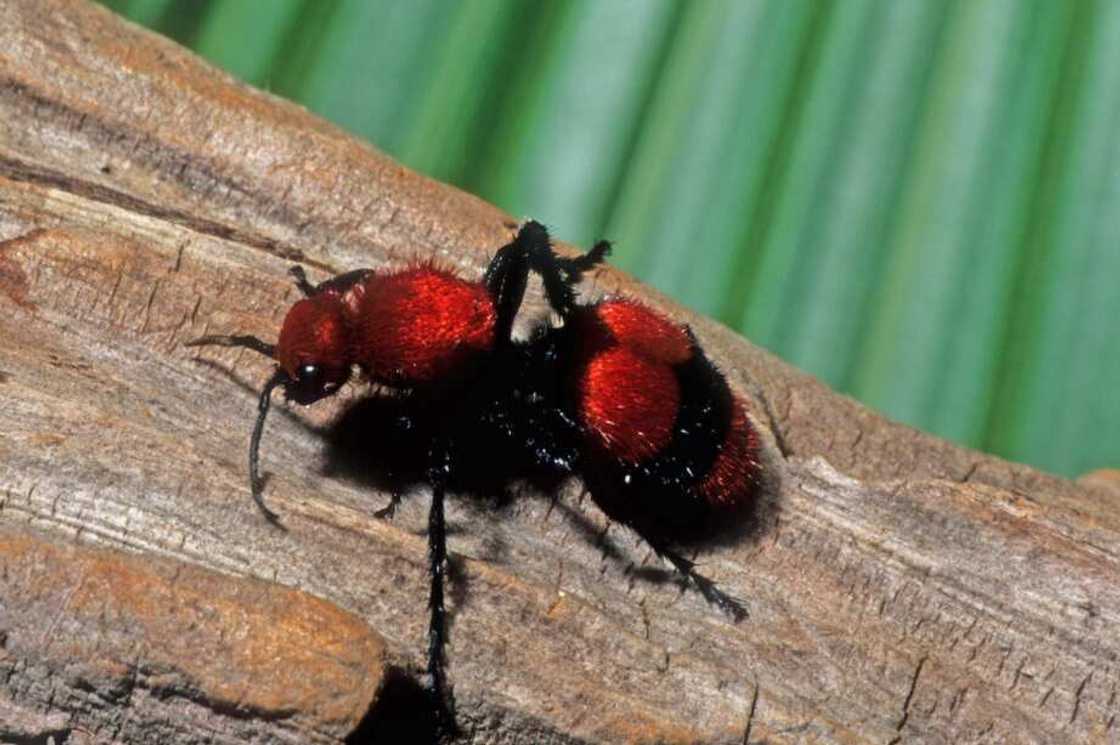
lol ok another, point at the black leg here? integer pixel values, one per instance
(388, 511)
(534, 241)
(531, 250)
(555, 273)
(300, 277)
(339, 284)
(506, 278)
(443, 700)
(575, 268)
(687, 569)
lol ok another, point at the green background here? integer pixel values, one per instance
(916, 200)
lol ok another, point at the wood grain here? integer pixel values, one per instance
(901, 589)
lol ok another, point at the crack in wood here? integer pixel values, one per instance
(970, 472)
(772, 420)
(1077, 698)
(20, 171)
(750, 715)
(909, 698)
(148, 307)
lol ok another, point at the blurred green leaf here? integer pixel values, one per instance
(146, 12)
(917, 200)
(565, 130)
(368, 67)
(925, 323)
(844, 238)
(223, 40)
(690, 196)
(482, 45)
(1056, 398)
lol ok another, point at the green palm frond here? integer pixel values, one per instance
(917, 201)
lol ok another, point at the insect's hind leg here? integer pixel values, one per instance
(388, 511)
(733, 607)
(506, 278)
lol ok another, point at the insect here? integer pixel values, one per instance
(614, 393)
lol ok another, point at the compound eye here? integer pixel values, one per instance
(309, 376)
(308, 385)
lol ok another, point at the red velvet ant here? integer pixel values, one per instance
(617, 394)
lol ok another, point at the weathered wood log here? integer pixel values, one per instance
(901, 589)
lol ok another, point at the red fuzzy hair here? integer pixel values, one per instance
(420, 325)
(314, 332)
(628, 391)
(628, 322)
(730, 480)
(629, 403)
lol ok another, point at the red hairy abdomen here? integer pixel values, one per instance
(628, 393)
(637, 327)
(730, 482)
(631, 364)
(420, 325)
(628, 403)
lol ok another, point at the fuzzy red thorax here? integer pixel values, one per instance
(412, 327)
(421, 325)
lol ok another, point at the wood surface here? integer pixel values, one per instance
(901, 589)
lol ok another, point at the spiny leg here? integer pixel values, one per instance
(506, 278)
(558, 274)
(388, 511)
(443, 700)
(340, 283)
(534, 242)
(575, 268)
(687, 569)
(531, 250)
